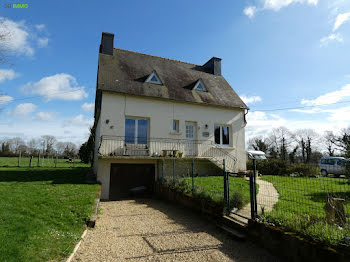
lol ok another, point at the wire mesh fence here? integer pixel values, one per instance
(315, 206)
(48, 161)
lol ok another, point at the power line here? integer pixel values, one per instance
(299, 107)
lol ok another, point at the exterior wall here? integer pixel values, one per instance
(97, 144)
(104, 171)
(115, 107)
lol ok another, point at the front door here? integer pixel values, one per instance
(190, 145)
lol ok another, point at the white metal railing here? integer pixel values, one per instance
(115, 146)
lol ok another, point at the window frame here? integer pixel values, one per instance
(221, 135)
(177, 126)
(200, 82)
(154, 74)
(136, 130)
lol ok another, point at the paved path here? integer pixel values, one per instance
(151, 230)
(267, 197)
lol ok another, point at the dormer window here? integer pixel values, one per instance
(199, 86)
(154, 79)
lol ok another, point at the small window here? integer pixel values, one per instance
(154, 79)
(176, 126)
(200, 86)
(222, 135)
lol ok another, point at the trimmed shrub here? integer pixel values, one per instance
(274, 167)
(303, 170)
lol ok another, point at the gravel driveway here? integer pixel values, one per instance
(152, 230)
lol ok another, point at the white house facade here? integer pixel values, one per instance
(153, 113)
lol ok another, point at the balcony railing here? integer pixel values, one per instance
(115, 146)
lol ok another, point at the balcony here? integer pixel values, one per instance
(165, 148)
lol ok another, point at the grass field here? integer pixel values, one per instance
(42, 212)
(43, 162)
(301, 202)
(213, 186)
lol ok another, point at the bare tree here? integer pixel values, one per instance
(280, 140)
(307, 140)
(328, 139)
(48, 143)
(259, 143)
(16, 143)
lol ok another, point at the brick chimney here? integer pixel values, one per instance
(213, 66)
(106, 46)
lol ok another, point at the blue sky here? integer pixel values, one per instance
(277, 54)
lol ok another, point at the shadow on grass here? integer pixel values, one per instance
(56, 175)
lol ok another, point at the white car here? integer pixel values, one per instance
(333, 165)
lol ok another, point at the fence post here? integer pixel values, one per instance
(225, 186)
(19, 159)
(255, 191)
(192, 174)
(253, 204)
(56, 160)
(30, 161)
(38, 160)
(174, 171)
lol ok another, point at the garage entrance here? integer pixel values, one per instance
(131, 180)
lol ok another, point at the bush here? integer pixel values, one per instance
(303, 170)
(274, 167)
(237, 200)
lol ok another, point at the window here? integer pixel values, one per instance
(176, 126)
(153, 78)
(222, 135)
(136, 131)
(200, 86)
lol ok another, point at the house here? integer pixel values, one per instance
(155, 116)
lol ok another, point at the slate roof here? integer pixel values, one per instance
(126, 72)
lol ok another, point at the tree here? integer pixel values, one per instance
(342, 141)
(86, 151)
(258, 143)
(328, 140)
(70, 150)
(306, 139)
(48, 144)
(280, 140)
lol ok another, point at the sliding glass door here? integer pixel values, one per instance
(136, 131)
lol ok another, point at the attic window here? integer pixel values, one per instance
(199, 86)
(154, 79)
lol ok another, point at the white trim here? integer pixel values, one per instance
(200, 82)
(221, 138)
(149, 79)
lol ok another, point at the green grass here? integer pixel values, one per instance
(301, 202)
(47, 162)
(42, 212)
(213, 186)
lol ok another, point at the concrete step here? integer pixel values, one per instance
(232, 232)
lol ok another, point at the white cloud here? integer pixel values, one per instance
(59, 86)
(276, 5)
(7, 74)
(23, 109)
(20, 37)
(43, 41)
(250, 99)
(44, 116)
(313, 110)
(78, 121)
(341, 19)
(340, 114)
(40, 27)
(329, 98)
(17, 37)
(5, 99)
(332, 37)
(250, 11)
(88, 107)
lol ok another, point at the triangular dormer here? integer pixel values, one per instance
(199, 86)
(153, 78)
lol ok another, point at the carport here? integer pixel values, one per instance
(124, 177)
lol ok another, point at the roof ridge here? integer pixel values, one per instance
(174, 60)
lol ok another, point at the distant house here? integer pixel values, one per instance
(152, 113)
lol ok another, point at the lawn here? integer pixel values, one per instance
(43, 212)
(43, 162)
(213, 186)
(301, 202)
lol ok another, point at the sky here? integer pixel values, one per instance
(288, 59)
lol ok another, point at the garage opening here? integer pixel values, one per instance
(131, 181)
